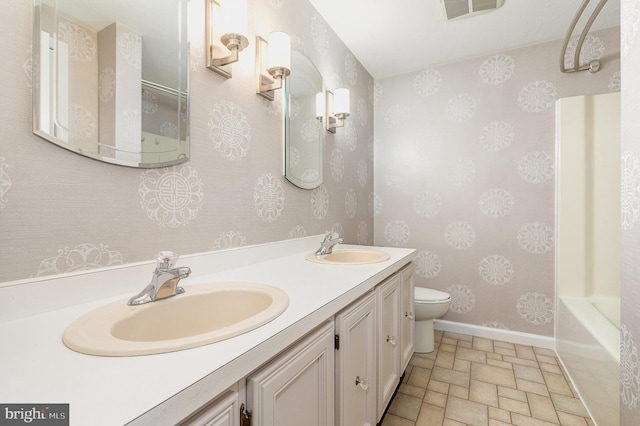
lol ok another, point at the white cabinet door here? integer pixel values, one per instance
(356, 364)
(389, 335)
(224, 411)
(408, 316)
(297, 387)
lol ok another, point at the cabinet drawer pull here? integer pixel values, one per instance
(363, 383)
(392, 340)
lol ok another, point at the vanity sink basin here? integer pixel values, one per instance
(204, 314)
(349, 257)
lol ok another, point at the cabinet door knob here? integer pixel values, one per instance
(409, 315)
(363, 383)
(392, 340)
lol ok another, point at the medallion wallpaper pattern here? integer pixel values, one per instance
(630, 130)
(465, 173)
(62, 212)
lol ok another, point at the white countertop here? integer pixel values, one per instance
(37, 368)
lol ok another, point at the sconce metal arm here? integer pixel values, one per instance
(278, 74)
(236, 43)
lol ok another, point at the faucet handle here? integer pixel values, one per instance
(165, 260)
(330, 235)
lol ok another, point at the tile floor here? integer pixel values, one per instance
(474, 381)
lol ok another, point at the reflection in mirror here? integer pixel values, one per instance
(303, 131)
(110, 79)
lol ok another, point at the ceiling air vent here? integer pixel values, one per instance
(454, 9)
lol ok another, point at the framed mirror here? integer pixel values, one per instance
(303, 129)
(111, 79)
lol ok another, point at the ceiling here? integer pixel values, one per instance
(400, 36)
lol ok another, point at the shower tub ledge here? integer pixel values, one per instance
(588, 346)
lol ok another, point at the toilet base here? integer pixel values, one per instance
(424, 338)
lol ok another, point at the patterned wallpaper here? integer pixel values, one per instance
(630, 336)
(464, 160)
(463, 172)
(63, 212)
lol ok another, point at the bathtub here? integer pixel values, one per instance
(588, 346)
(588, 250)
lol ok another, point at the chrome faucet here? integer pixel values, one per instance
(164, 282)
(331, 239)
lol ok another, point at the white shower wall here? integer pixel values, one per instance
(588, 249)
(589, 196)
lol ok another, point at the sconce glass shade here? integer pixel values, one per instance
(232, 18)
(279, 56)
(341, 104)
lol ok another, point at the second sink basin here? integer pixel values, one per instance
(204, 314)
(350, 257)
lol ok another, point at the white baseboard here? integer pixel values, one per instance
(496, 334)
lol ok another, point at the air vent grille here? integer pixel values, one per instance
(484, 5)
(454, 9)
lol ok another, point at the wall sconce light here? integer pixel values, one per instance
(273, 63)
(226, 29)
(337, 109)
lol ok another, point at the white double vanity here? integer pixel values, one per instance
(334, 356)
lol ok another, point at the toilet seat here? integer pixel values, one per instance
(429, 295)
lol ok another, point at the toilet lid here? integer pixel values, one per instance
(430, 295)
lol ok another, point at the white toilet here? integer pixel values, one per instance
(429, 305)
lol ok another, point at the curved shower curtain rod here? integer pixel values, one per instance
(594, 65)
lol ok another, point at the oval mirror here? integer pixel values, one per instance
(303, 131)
(110, 79)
